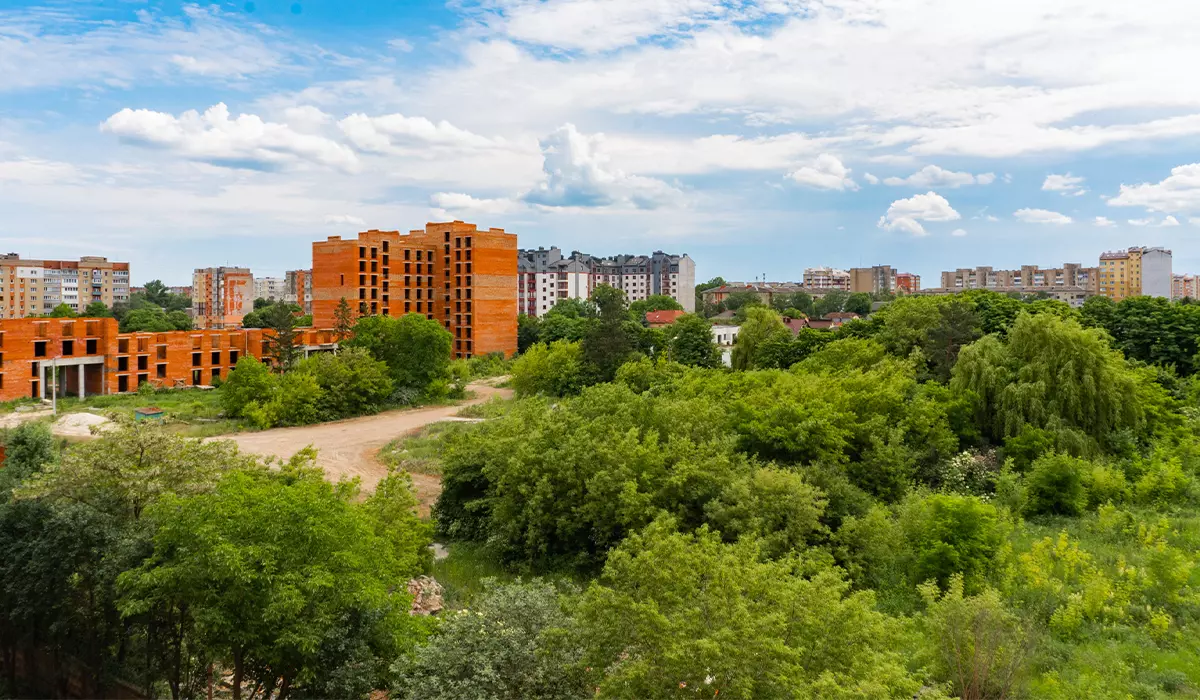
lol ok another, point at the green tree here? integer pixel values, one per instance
(28, 448)
(761, 325)
(529, 332)
(352, 382)
(703, 307)
(550, 370)
(343, 319)
(1055, 485)
(858, 303)
(267, 567)
(996, 312)
(654, 302)
(97, 309)
(250, 382)
(691, 342)
(512, 644)
(833, 301)
(179, 320)
(739, 299)
(415, 349)
(607, 343)
(1098, 312)
(62, 311)
(281, 340)
(679, 615)
(951, 535)
(150, 319)
(958, 326)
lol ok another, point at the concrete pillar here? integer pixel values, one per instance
(42, 380)
(82, 382)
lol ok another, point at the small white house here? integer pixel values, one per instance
(725, 335)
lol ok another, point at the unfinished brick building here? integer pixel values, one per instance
(453, 272)
(92, 357)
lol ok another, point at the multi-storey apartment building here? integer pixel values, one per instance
(1075, 296)
(546, 277)
(1136, 271)
(908, 283)
(272, 288)
(826, 278)
(87, 356)
(1183, 286)
(298, 289)
(464, 277)
(1027, 278)
(221, 296)
(33, 287)
(873, 280)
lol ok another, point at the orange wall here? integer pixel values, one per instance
(174, 358)
(465, 278)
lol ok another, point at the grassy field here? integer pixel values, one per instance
(193, 412)
(420, 453)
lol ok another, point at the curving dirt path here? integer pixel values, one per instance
(350, 447)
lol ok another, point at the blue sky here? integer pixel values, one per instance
(761, 137)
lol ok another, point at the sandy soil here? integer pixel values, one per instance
(350, 447)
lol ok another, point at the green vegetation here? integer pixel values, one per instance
(960, 497)
(155, 310)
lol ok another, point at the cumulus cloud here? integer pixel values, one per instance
(871, 179)
(1041, 216)
(578, 174)
(344, 220)
(1066, 184)
(394, 133)
(1165, 222)
(825, 173)
(214, 137)
(958, 232)
(465, 203)
(933, 176)
(35, 171)
(1178, 193)
(906, 214)
(1103, 221)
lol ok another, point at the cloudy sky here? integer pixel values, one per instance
(759, 137)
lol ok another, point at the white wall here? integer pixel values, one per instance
(1156, 273)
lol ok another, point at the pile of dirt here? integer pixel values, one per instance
(80, 424)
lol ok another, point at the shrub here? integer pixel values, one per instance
(1055, 485)
(352, 382)
(415, 349)
(250, 381)
(1163, 482)
(296, 400)
(951, 535)
(1105, 484)
(551, 370)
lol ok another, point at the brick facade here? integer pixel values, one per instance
(461, 276)
(111, 362)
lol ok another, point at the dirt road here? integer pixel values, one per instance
(349, 447)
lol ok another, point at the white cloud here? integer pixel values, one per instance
(1041, 216)
(933, 176)
(37, 171)
(906, 214)
(1141, 222)
(400, 45)
(457, 203)
(825, 173)
(1169, 221)
(958, 232)
(578, 174)
(1103, 221)
(213, 137)
(392, 133)
(1165, 222)
(344, 220)
(871, 179)
(1066, 184)
(1178, 193)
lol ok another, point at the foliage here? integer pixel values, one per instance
(351, 381)
(951, 535)
(677, 614)
(250, 381)
(28, 448)
(608, 342)
(415, 349)
(528, 332)
(511, 645)
(265, 315)
(833, 301)
(551, 370)
(760, 326)
(782, 350)
(97, 309)
(343, 319)
(281, 340)
(155, 320)
(858, 303)
(691, 342)
(1055, 485)
(654, 302)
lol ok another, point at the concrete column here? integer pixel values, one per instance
(82, 383)
(42, 380)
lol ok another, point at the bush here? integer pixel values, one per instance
(1105, 484)
(415, 349)
(250, 381)
(296, 400)
(352, 382)
(951, 535)
(550, 370)
(1055, 485)
(1163, 482)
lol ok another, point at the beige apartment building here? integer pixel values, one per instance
(34, 287)
(826, 278)
(883, 279)
(1183, 286)
(1136, 271)
(221, 296)
(1029, 277)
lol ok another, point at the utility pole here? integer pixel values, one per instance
(54, 386)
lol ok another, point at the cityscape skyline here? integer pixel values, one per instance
(188, 136)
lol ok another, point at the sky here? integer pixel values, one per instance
(760, 137)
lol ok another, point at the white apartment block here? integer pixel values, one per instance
(826, 278)
(273, 288)
(544, 277)
(32, 287)
(1157, 280)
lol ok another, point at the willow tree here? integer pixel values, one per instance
(761, 325)
(1053, 374)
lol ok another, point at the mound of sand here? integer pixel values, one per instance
(79, 424)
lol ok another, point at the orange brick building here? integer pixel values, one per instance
(221, 296)
(463, 277)
(92, 357)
